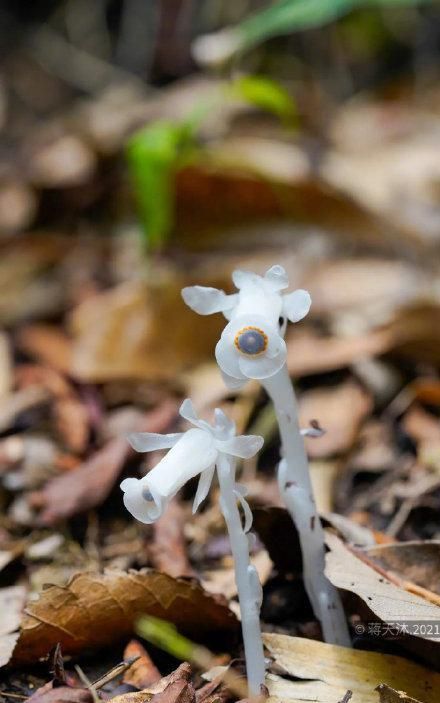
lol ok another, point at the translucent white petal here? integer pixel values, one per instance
(243, 278)
(296, 305)
(205, 481)
(257, 299)
(227, 356)
(248, 518)
(187, 411)
(261, 368)
(192, 454)
(234, 384)
(205, 300)
(146, 511)
(223, 424)
(150, 441)
(243, 446)
(277, 278)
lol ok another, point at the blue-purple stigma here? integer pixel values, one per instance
(251, 341)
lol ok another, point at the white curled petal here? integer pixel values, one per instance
(248, 518)
(223, 423)
(234, 384)
(150, 441)
(206, 301)
(203, 487)
(192, 454)
(277, 278)
(241, 278)
(146, 511)
(189, 414)
(296, 305)
(243, 446)
(227, 357)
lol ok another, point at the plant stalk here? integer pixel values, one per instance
(246, 577)
(297, 491)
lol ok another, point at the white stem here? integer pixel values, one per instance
(246, 577)
(296, 489)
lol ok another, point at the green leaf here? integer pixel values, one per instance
(283, 17)
(154, 154)
(266, 94)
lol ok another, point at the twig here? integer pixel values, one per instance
(113, 673)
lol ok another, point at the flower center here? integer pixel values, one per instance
(251, 341)
(146, 495)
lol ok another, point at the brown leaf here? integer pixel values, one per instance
(416, 562)
(97, 610)
(308, 353)
(83, 488)
(168, 550)
(72, 422)
(360, 284)
(390, 695)
(139, 331)
(20, 401)
(339, 411)
(12, 601)
(46, 343)
(89, 485)
(5, 365)
(323, 672)
(67, 694)
(387, 600)
(143, 672)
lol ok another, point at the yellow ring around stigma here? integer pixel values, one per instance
(251, 329)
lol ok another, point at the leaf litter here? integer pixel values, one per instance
(95, 342)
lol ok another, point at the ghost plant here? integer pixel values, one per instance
(252, 346)
(201, 451)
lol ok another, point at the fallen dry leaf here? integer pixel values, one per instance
(168, 551)
(142, 672)
(48, 344)
(12, 601)
(139, 331)
(309, 353)
(327, 671)
(5, 365)
(339, 411)
(390, 695)
(20, 401)
(96, 610)
(389, 602)
(66, 694)
(416, 562)
(361, 284)
(83, 488)
(90, 484)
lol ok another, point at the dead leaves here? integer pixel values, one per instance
(326, 672)
(388, 601)
(11, 603)
(139, 331)
(89, 484)
(97, 610)
(340, 411)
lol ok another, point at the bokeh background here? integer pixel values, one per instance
(151, 145)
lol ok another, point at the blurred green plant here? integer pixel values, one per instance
(154, 155)
(157, 152)
(283, 17)
(268, 95)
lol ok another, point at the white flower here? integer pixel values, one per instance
(192, 453)
(251, 345)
